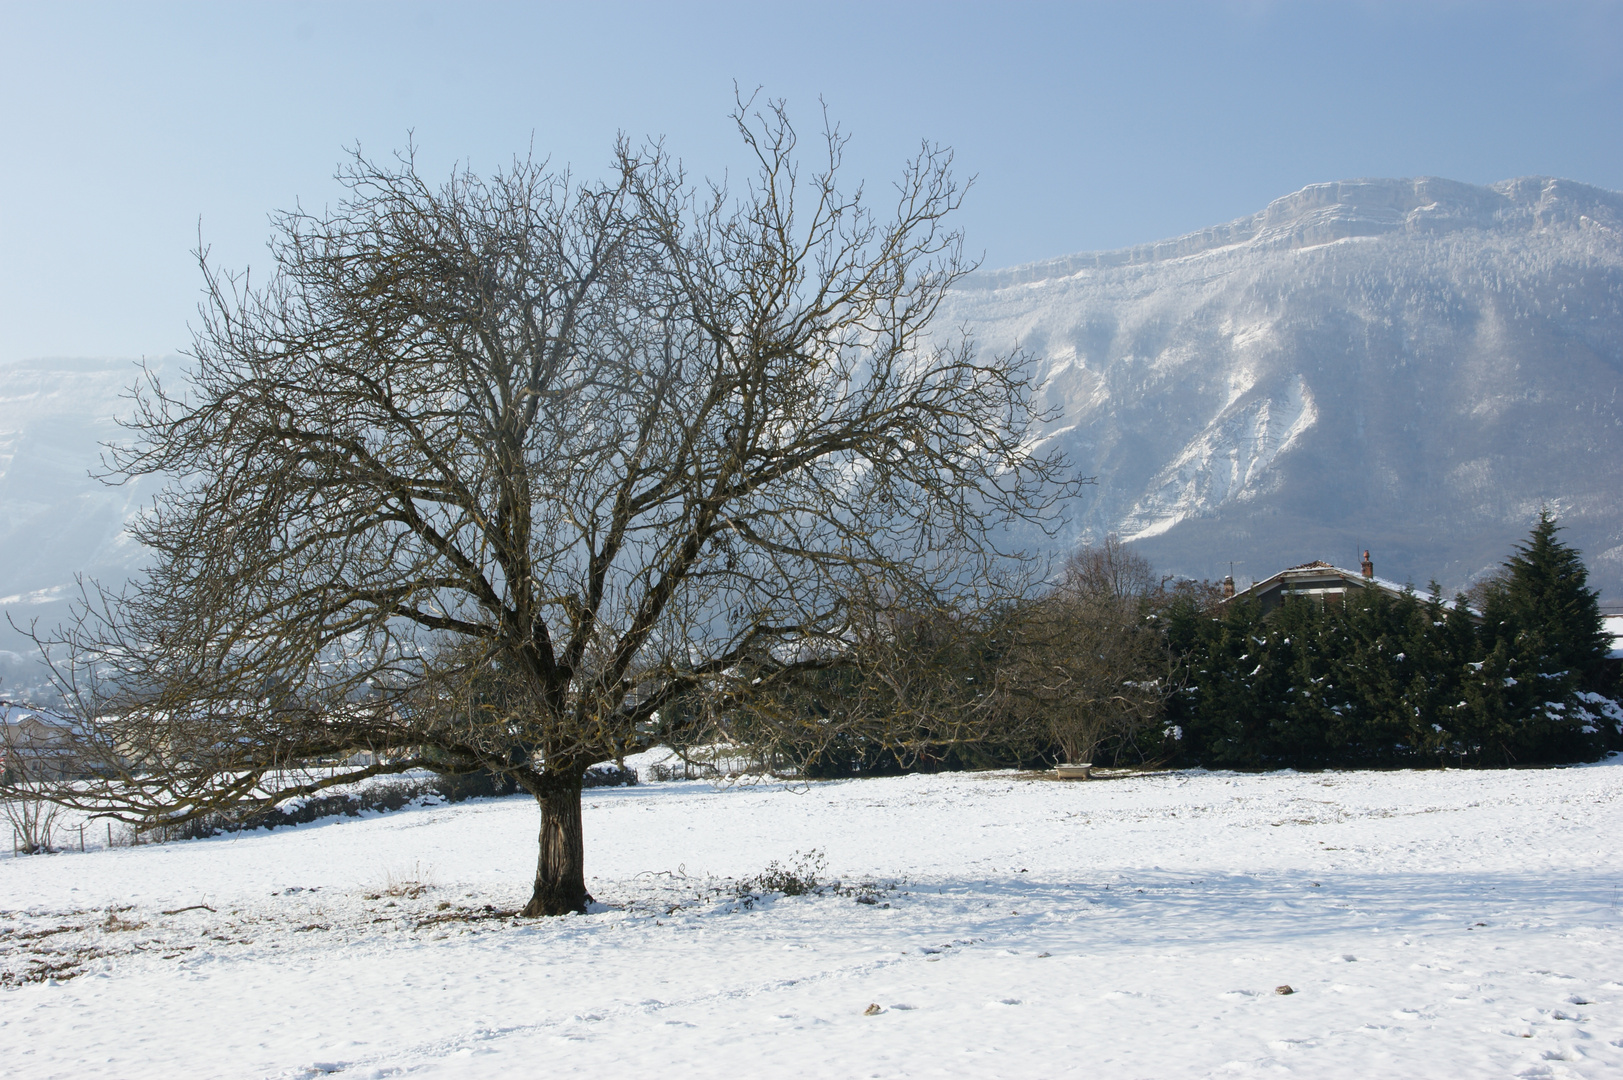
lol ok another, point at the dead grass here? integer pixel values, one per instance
(39, 971)
(466, 915)
(410, 884)
(116, 923)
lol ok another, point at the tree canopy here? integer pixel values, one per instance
(491, 474)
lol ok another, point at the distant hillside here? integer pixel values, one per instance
(55, 519)
(1411, 366)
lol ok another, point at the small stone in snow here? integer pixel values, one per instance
(872, 1010)
(1283, 990)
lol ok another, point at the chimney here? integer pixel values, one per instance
(1369, 567)
(1228, 587)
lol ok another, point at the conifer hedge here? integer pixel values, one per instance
(1379, 680)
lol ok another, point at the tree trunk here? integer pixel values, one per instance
(560, 873)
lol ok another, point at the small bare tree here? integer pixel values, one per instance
(1087, 662)
(33, 815)
(493, 475)
(917, 684)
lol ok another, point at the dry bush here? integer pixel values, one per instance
(33, 821)
(409, 884)
(1087, 662)
(803, 875)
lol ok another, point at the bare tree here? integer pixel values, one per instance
(492, 474)
(1110, 569)
(1087, 662)
(917, 684)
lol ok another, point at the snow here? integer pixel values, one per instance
(1384, 364)
(1614, 630)
(1438, 923)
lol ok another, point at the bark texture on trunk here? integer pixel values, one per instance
(560, 873)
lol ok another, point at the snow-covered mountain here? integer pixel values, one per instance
(1409, 366)
(56, 521)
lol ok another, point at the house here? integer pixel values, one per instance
(1317, 580)
(35, 746)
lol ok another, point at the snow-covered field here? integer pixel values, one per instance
(1431, 924)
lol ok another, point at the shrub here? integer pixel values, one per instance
(797, 879)
(610, 774)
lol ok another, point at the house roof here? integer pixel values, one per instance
(1317, 576)
(14, 716)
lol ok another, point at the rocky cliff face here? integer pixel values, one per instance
(1411, 366)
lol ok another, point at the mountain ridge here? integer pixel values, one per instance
(1380, 206)
(1358, 364)
(1411, 366)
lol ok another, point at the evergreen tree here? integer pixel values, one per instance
(1310, 728)
(1542, 622)
(1544, 606)
(1227, 710)
(1485, 725)
(1389, 680)
(1436, 654)
(1456, 664)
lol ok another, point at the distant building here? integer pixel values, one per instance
(35, 746)
(1317, 580)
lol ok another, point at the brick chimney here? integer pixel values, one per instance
(1369, 567)
(1228, 587)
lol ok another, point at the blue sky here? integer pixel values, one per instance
(126, 128)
